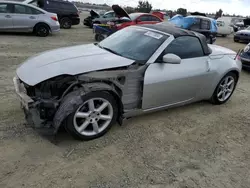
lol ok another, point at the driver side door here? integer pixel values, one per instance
(172, 84)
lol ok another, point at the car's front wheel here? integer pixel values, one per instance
(224, 89)
(93, 117)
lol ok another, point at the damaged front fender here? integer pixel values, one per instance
(72, 100)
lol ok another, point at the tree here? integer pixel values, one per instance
(144, 6)
(129, 9)
(218, 14)
(182, 11)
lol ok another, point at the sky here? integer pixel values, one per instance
(238, 7)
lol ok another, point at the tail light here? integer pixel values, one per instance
(54, 18)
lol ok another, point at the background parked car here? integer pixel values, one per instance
(67, 12)
(133, 18)
(96, 18)
(19, 17)
(245, 57)
(224, 27)
(204, 25)
(242, 35)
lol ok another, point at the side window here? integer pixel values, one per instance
(67, 6)
(109, 15)
(185, 47)
(35, 11)
(220, 23)
(144, 18)
(5, 8)
(205, 24)
(155, 19)
(196, 24)
(21, 9)
(54, 5)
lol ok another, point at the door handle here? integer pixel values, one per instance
(32, 17)
(7, 16)
(208, 66)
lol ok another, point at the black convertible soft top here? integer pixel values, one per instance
(177, 32)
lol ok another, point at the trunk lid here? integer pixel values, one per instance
(219, 50)
(120, 12)
(94, 14)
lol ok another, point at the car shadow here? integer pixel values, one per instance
(21, 34)
(63, 139)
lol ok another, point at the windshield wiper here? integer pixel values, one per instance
(112, 51)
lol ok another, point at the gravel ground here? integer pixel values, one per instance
(199, 145)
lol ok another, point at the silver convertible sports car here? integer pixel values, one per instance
(139, 69)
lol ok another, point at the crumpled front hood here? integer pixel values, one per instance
(68, 61)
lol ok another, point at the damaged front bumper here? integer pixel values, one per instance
(31, 112)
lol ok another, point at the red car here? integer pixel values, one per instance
(133, 18)
(123, 20)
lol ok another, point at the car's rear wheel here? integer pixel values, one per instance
(42, 30)
(99, 37)
(66, 23)
(224, 89)
(93, 117)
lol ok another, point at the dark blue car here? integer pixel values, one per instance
(245, 57)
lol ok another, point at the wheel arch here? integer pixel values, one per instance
(41, 23)
(235, 71)
(73, 98)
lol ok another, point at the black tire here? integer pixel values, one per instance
(214, 99)
(224, 35)
(42, 30)
(65, 23)
(235, 40)
(96, 37)
(91, 25)
(209, 40)
(69, 123)
(100, 38)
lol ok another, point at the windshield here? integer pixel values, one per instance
(248, 28)
(134, 43)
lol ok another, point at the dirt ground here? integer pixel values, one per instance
(196, 146)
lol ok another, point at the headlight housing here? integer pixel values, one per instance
(246, 49)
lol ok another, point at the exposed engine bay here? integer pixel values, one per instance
(126, 83)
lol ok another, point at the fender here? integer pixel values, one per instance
(73, 99)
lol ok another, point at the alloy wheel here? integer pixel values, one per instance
(225, 88)
(93, 117)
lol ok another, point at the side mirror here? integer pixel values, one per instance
(171, 59)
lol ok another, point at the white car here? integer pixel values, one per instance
(224, 28)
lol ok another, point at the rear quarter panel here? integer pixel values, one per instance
(45, 18)
(220, 65)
